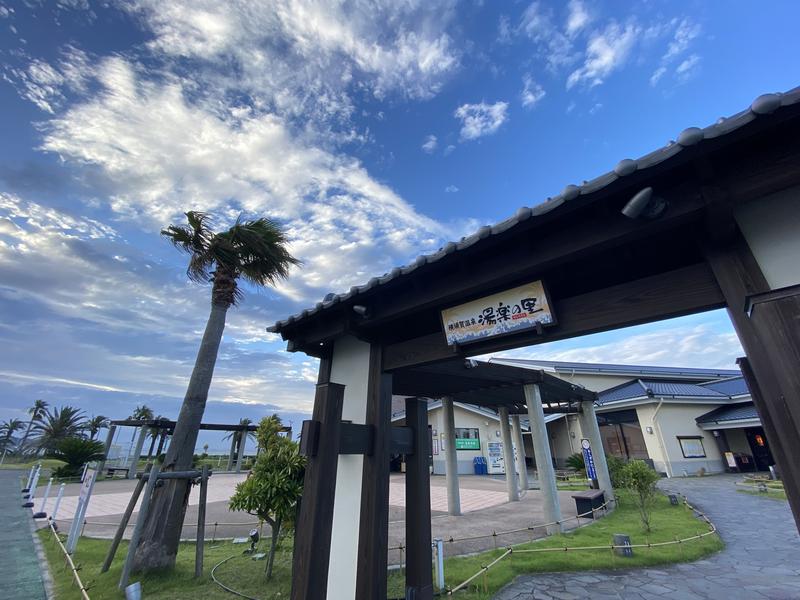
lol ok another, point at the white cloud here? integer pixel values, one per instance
(657, 75)
(430, 144)
(532, 92)
(449, 149)
(687, 68)
(685, 32)
(479, 120)
(554, 46)
(606, 51)
(504, 29)
(451, 189)
(578, 17)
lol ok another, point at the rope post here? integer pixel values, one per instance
(201, 524)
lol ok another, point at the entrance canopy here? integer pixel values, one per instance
(489, 384)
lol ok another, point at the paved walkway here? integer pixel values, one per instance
(19, 564)
(761, 559)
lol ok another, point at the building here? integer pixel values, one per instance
(683, 421)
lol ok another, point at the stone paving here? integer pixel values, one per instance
(19, 563)
(761, 559)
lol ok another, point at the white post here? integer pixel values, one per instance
(34, 483)
(591, 430)
(544, 459)
(242, 442)
(58, 501)
(46, 494)
(522, 469)
(3, 457)
(30, 478)
(451, 459)
(508, 456)
(439, 545)
(232, 453)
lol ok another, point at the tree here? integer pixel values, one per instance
(7, 431)
(256, 252)
(36, 412)
(640, 479)
(273, 488)
(95, 424)
(75, 452)
(57, 425)
(239, 436)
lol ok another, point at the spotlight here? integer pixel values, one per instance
(254, 537)
(645, 205)
(360, 310)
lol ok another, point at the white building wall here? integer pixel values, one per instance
(488, 430)
(771, 226)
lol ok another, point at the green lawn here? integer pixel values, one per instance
(246, 576)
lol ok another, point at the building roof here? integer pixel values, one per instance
(733, 412)
(617, 369)
(732, 386)
(641, 388)
(399, 412)
(693, 136)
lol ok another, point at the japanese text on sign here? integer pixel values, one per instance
(523, 307)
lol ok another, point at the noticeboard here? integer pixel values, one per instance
(517, 309)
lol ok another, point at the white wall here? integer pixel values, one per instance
(350, 367)
(462, 418)
(771, 226)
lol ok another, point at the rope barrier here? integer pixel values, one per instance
(513, 548)
(71, 564)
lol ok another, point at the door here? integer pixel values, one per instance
(760, 448)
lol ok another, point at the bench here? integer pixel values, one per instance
(586, 502)
(111, 471)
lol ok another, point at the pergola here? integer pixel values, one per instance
(511, 391)
(167, 427)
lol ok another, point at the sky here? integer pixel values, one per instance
(373, 132)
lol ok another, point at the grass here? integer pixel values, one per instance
(244, 575)
(771, 493)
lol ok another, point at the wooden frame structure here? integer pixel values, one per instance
(685, 229)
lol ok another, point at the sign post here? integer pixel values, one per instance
(80, 511)
(588, 460)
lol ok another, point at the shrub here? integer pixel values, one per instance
(575, 461)
(615, 466)
(641, 480)
(75, 452)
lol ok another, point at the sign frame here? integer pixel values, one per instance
(538, 325)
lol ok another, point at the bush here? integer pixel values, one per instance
(615, 466)
(75, 452)
(641, 480)
(575, 461)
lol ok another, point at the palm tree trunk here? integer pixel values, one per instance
(21, 446)
(159, 542)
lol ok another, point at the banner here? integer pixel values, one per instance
(588, 459)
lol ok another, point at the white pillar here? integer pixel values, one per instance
(232, 453)
(522, 469)
(451, 460)
(591, 431)
(544, 459)
(242, 442)
(508, 456)
(137, 453)
(109, 441)
(349, 367)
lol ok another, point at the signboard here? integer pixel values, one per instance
(731, 460)
(80, 512)
(524, 307)
(495, 463)
(588, 459)
(468, 444)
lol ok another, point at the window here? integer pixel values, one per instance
(467, 438)
(692, 447)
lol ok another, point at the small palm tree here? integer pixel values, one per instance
(95, 424)
(36, 412)
(7, 431)
(256, 252)
(59, 424)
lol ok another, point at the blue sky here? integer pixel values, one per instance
(374, 132)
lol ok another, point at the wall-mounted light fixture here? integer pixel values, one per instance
(649, 430)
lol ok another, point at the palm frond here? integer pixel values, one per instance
(258, 250)
(194, 239)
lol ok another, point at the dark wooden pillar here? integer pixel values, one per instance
(315, 520)
(722, 445)
(373, 541)
(770, 334)
(419, 575)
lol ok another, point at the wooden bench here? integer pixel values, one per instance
(586, 502)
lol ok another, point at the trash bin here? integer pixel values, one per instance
(476, 465)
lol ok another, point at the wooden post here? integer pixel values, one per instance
(315, 523)
(419, 576)
(137, 530)
(123, 524)
(109, 440)
(137, 453)
(373, 540)
(201, 524)
(768, 334)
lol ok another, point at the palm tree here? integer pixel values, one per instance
(154, 434)
(95, 424)
(237, 441)
(36, 411)
(59, 424)
(256, 252)
(7, 431)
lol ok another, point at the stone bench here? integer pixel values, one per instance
(586, 502)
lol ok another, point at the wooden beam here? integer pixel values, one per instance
(402, 440)
(770, 340)
(315, 520)
(356, 439)
(419, 578)
(373, 533)
(675, 293)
